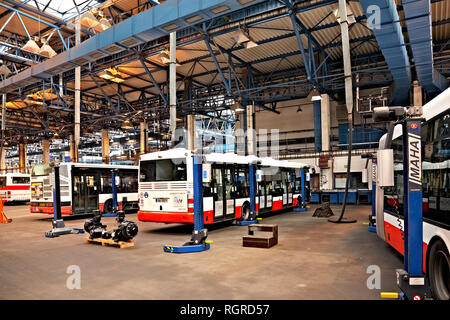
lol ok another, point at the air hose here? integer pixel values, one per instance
(347, 181)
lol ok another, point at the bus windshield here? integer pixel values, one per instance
(2, 182)
(163, 170)
(41, 170)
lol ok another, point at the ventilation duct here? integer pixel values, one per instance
(390, 40)
(418, 23)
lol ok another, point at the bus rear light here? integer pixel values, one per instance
(191, 209)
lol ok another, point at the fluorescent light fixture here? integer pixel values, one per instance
(170, 27)
(193, 19)
(316, 98)
(220, 9)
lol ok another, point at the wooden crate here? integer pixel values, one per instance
(111, 242)
(266, 240)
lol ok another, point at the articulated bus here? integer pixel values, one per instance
(436, 195)
(84, 187)
(15, 187)
(166, 186)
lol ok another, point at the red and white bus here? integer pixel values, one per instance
(84, 187)
(15, 187)
(166, 186)
(436, 195)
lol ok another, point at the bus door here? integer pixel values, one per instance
(85, 192)
(223, 200)
(262, 195)
(290, 186)
(284, 183)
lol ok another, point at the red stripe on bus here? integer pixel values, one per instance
(49, 210)
(16, 188)
(393, 237)
(173, 217)
(277, 205)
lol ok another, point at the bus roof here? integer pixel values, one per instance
(98, 165)
(222, 158)
(432, 109)
(14, 174)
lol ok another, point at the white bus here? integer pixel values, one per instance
(84, 187)
(15, 187)
(436, 195)
(166, 186)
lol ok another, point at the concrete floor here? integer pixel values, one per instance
(313, 260)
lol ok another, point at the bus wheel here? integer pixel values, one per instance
(439, 271)
(108, 207)
(245, 212)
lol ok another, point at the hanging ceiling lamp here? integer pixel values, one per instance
(88, 20)
(103, 23)
(242, 36)
(31, 46)
(47, 51)
(127, 125)
(4, 70)
(106, 74)
(118, 78)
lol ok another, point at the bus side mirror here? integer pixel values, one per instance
(385, 172)
(258, 175)
(206, 172)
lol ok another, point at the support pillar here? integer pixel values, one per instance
(317, 125)
(2, 159)
(22, 157)
(191, 132)
(417, 94)
(72, 148)
(77, 96)
(173, 84)
(325, 121)
(105, 146)
(251, 134)
(45, 151)
(144, 137)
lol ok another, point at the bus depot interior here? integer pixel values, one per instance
(263, 140)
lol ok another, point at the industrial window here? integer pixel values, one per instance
(20, 180)
(163, 170)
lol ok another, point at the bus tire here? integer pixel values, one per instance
(245, 211)
(439, 270)
(108, 207)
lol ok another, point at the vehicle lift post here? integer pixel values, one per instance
(115, 205)
(253, 212)
(373, 215)
(198, 242)
(372, 220)
(59, 228)
(302, 205)
(411, 279)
